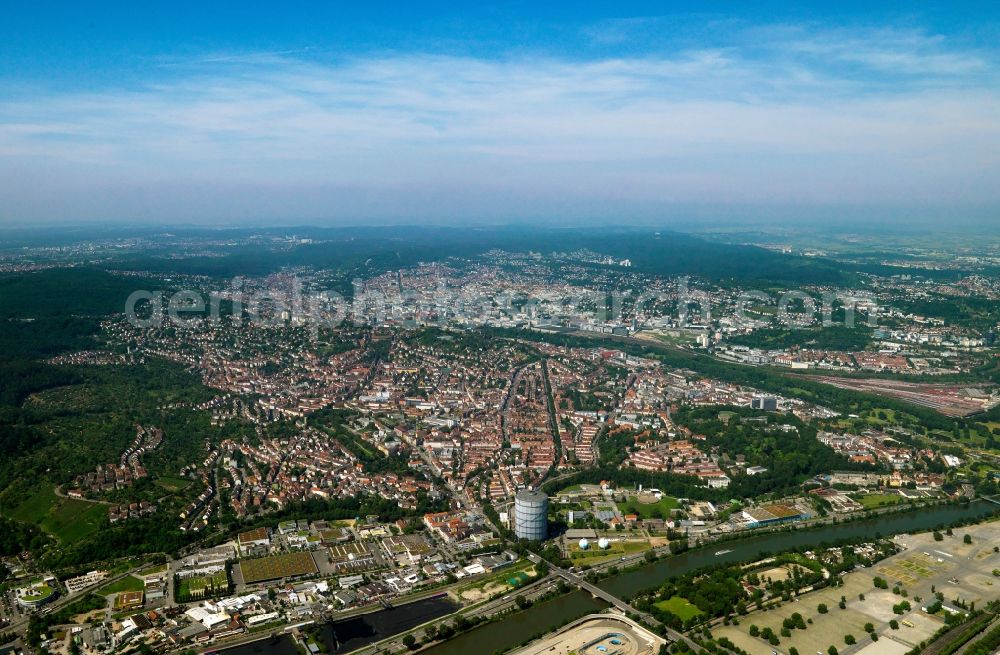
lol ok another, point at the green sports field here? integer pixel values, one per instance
(679, 607)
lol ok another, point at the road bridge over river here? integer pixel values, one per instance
(614, 601)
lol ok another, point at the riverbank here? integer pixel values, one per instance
(511, 631)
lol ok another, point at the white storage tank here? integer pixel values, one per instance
(531, 509)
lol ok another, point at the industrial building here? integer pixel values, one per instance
(766, 403)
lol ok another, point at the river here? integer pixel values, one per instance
(515, 629)
(353, 633)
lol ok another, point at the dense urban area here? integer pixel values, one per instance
(324, 441)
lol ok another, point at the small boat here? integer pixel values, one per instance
(722, 552)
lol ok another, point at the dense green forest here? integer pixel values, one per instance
(62, 432)
(834, 337)
(975, 312)
(16, 537)
(47, 312)
(63, 292)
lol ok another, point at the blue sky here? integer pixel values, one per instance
(398, 112)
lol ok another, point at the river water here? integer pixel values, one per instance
(353, 633)
(515, 629)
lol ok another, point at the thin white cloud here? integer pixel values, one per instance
(393, 135)
(893, 51)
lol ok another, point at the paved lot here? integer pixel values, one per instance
(958, 570)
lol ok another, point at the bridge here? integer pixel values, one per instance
(614, 601)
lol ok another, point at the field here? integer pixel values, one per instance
(616, 549)
(67, 519)
(676, 337)
(202, 586)
(275, 567)
(73, 519)
(36, 505)
(880, 417)
(679, 607)
(908, 570)
(172, 483)
(129, 583)
(660, 509)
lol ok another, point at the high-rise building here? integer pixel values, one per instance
(766, 403)
(531, 509)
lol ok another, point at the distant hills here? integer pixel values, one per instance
(368, 251)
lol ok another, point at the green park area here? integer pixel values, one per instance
(512, 576)
(171, 483)
(679, 607)
(128, 583)
(656, 510)
(68, 519)
(594, 554)
(500, 582)
(872, 501)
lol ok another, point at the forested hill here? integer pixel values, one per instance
(46, 312)
(77, 291)
(370, 251)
